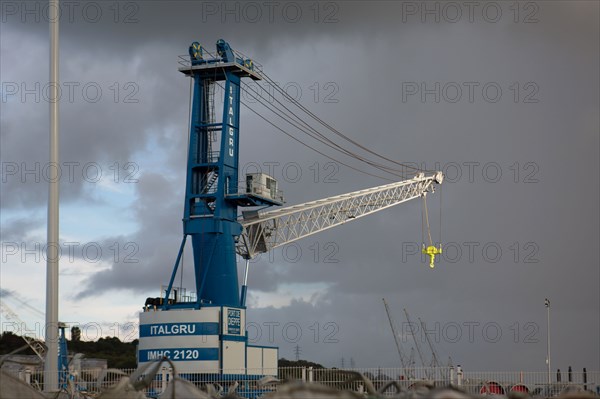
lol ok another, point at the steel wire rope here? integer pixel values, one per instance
(324, 139)
(427, 219)
(307, 145)
(331, 128)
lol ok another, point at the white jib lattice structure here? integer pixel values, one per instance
(264, 231)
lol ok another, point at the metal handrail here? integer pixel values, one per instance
(184, 59)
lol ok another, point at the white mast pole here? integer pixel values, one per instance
(52, 247)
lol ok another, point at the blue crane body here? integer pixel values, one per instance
(206, 333)
(212, 197)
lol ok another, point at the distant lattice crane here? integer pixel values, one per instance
(36, 346)
(434, 356)
(405, 364)
(412, 332)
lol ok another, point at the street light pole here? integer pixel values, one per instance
(547, 303)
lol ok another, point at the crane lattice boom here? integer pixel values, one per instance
(265, 231)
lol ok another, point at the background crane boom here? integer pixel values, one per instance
(434, 356)
(36, 346)
(405, 365)
(413, 333)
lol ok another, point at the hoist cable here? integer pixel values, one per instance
(422, 224)
(307, 145)
(312, 148)
(440, 233)
(321, 138)
(331, 128)
(427, 220)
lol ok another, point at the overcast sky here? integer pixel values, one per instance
(503, 97)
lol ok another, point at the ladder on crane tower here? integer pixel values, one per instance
(212, 178)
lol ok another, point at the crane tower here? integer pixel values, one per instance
(205, 332)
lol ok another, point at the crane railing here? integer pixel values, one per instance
(184, 59)
(265, 231)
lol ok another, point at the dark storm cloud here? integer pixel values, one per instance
(158, 234)
(121, 27)
(107, 119)
(541, 214)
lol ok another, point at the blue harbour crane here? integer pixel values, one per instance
(203, 331)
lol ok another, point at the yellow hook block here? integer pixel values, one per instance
(432, 251)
